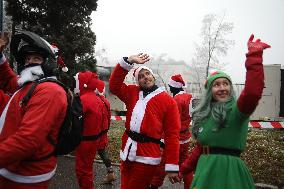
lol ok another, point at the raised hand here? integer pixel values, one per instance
(4, 40)
(139, 58)
(256, 46)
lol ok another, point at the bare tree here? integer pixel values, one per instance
(164, 67)
(214, 44)
(160, 59)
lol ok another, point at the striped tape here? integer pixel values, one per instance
(253, 124)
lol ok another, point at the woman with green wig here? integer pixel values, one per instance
(220, 126)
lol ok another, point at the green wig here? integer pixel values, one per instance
(207, 107)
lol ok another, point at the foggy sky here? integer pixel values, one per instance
(128, 27)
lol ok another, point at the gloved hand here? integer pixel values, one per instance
(257, 46)
(4, 40)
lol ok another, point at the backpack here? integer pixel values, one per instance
(70, 133)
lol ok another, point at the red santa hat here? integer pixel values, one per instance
(176, 81)
(137, 70)
(60, 61)
(85, 81)
(100, 87)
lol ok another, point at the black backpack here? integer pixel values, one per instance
(70, 133)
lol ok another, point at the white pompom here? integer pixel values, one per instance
(64, 69)
(85, 85)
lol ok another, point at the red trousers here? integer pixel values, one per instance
(7, 184)
(158, 178)
(136, 175)
(85, 155)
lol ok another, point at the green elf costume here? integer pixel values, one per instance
(220, 129)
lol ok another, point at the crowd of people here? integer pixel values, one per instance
(159, 127)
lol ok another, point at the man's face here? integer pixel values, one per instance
(145, 79)
(33, 59)
(221, 89)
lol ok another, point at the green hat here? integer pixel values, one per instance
(215, 75)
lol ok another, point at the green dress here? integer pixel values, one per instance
(218, 171)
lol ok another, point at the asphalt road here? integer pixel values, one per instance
(65, 176)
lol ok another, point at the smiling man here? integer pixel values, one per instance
(151, 112)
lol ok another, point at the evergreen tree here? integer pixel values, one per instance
(63, 22)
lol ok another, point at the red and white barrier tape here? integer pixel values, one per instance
(266, 125)
(118, 118)
(253, 124)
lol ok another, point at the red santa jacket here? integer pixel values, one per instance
(92, 104)
(103, 141)
(4, 98)
(106, 112)
(153, 115)
(93, 114)
(183, 101)
(25, 129)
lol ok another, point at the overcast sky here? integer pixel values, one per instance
(128, 27)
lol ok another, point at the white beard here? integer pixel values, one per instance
(30, 74)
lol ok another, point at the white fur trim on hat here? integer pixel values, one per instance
(136, 72)
(76, 89)
(64, 69)
(175, 84)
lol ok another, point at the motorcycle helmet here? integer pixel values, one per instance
(26, 42)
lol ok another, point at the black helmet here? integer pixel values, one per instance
(25, 42)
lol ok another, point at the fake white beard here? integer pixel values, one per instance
(30, 74)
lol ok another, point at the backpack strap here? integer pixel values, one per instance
(27, 97)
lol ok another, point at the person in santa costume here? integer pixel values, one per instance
(103, 140)
(26, 160)
(183, 99)
(95, 121)
(151, 112)
(220, 125)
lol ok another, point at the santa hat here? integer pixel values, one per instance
(85, 81)
(100, 87)
(137, 70)
(215, 75)
(59, 58)
(176, 81)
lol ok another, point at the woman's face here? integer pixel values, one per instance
(221, 89)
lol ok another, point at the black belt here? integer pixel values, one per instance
(217, 150)
(94, 137)
(138, 137)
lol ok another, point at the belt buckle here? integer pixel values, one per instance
(205, 150)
